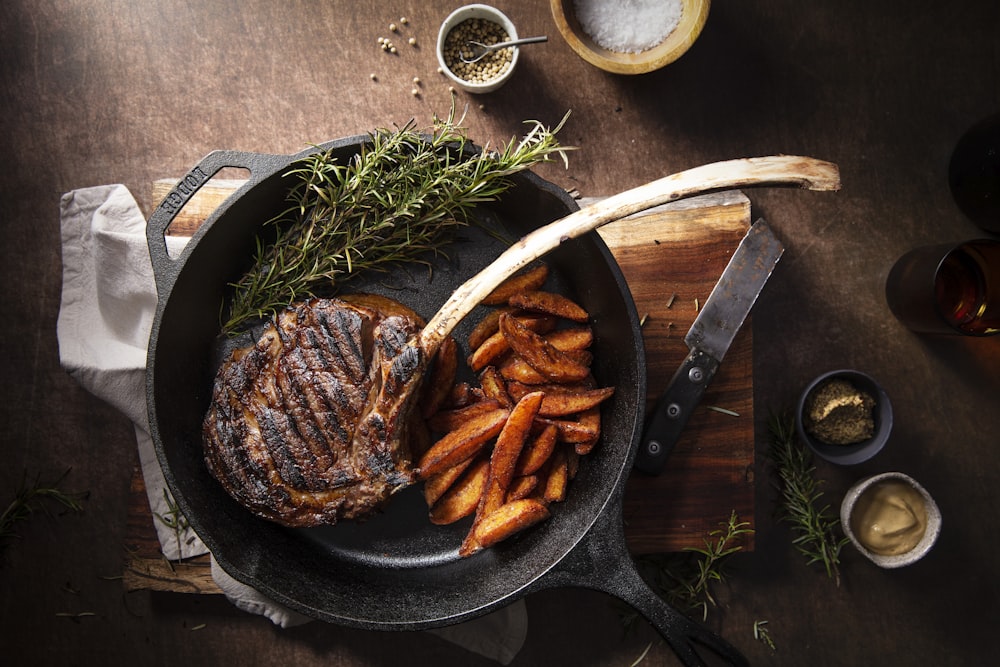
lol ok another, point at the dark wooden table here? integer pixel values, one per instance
(131, 92)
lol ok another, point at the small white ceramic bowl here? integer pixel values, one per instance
(931, 532)
(477, 12)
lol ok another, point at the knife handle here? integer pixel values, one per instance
(673, 411)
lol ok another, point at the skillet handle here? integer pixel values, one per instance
(260, 166)
(600, 561)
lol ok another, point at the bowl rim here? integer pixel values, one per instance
(931, 533)
(476, 11)
(693, 17)
(860, 451)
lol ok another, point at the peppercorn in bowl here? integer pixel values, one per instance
(484, 24)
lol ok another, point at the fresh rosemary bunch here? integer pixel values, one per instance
(396, 201)
(801, 498)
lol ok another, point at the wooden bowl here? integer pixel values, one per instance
(693, 17)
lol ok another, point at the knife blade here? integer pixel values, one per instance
(716, 325)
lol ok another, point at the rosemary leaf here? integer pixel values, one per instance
(397, 201)
(814, 524)
(31, 497)
(685, 579)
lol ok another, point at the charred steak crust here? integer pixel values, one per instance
(302, 428)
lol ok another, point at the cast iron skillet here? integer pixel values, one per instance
(397, 571)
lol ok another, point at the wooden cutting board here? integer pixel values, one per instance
(671, 257)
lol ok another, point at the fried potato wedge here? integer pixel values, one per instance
(571, 402)
(462, 443)
(558, 477)
(538, 301)
(526, 281)
(507, 520)
(521, 487)
(486, 327)
(570, 431)
(516, 369)
(591, 420)
(537, 451)
(541, 355)
(571, 338)
(495, 387)
(507, 450)
(497, 345)
(462, 498)
(436, 486)
(446, 421)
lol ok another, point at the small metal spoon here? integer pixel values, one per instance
(480, 50)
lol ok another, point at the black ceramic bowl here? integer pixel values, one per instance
(855, 452)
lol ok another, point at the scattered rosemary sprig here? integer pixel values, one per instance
(30, 497)
(762, 634)
(801, 498)
(684, 579)
(396, 201)
(173, 519)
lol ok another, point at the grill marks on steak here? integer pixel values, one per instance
(307, 426)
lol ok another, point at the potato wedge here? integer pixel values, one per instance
(462, 443)
(495, 387)
(558, 477)
(525, 281)
(436, 486)
(449, 420)
(589, 419)
(538, 301)
(537, 451)
(550, 362)
(570, 431)
(507, 520)
(462, 498)
(566, 403)
(571, 338)
(506, 451)
(486, 327)
(516, 369)
(521, 487)
(496, 345)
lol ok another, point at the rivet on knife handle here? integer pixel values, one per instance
(673, 411)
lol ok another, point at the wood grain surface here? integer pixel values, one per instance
(671, 257)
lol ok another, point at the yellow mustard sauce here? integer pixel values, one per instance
(889, 518)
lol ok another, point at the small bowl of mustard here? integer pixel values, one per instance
(844, 416)
(891, 519)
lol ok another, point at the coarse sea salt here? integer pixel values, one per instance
(628, 26)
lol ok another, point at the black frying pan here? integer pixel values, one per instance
(397, 571)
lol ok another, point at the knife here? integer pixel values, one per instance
(710, 336)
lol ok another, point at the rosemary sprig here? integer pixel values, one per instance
(801, 498)
(174, 518)
(396, 201)
(685, 579)
(30, 497)
(763, 635)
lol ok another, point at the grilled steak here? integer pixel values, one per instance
(307, 426)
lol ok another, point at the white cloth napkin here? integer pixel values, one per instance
(107, 308)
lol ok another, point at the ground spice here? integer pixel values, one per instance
(628, 26)
(838, 413)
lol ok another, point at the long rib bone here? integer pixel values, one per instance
(805, 172)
